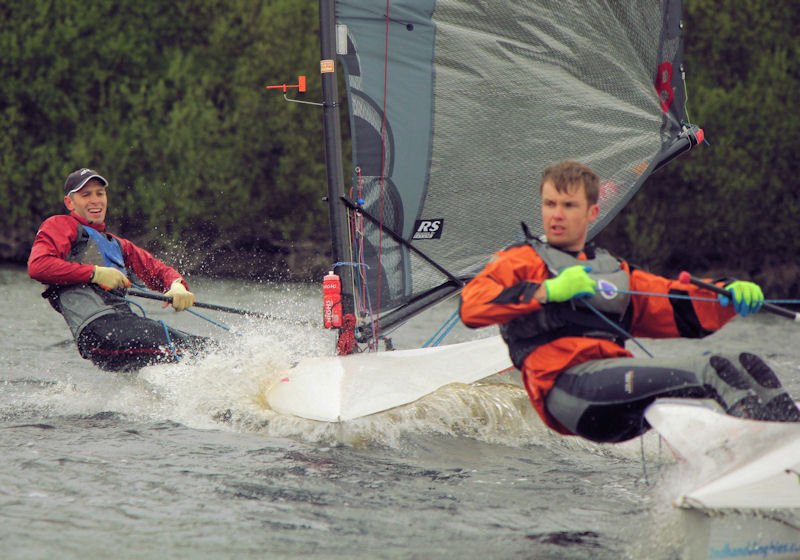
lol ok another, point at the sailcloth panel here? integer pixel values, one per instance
(457, 106)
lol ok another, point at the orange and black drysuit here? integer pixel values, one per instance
(578, 374)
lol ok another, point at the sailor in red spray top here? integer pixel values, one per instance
(86, 270)
(332, 300)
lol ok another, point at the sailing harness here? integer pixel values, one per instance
(80, 304)
(604, 315)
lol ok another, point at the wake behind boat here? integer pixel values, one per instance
(455, 108)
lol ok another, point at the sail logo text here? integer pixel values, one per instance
(428, 229)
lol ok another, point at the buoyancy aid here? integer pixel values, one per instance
(80, 304)
(573, 318)
(109, 248)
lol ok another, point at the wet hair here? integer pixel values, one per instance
(564, 174)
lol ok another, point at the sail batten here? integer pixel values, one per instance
(458, 105)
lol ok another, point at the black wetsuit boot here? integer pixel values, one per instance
(764, 398)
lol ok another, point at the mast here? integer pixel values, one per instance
(333, 150)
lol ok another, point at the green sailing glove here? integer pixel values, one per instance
(747, 297)
(570, 283)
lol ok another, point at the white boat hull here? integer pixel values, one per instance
(752, 464)
(336, 389)
(738, 535)
(746, 502)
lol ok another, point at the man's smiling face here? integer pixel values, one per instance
(90, 202)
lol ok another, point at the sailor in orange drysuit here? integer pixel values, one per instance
(578, 374)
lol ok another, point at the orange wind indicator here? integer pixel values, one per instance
(300, 85)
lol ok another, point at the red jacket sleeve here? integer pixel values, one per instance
(47, 262)
(504, 289)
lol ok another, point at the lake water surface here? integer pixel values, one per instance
(188, 461)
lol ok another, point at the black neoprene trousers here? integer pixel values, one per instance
(605, 400)
(125, 341)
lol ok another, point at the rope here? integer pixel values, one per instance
(669, 296)
(220, 325)
(358, 236)
(137, 305)
(619, 329)
(169, 341)
(698, 298)
(445, 329)
(659, 459)
(654, 294)
(172, 348)
(347, 339)
(195, 313)
(346, 263)
(363, 303)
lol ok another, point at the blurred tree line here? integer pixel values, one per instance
(167, 100)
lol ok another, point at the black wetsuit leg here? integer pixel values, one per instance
(605, 400)
(125, 341)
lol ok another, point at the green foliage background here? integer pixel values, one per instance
(167, 100)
